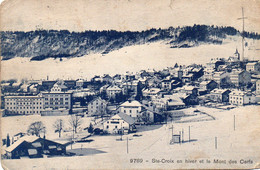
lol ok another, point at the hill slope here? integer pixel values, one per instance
(43, 44)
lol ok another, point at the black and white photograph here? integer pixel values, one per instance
(130, 84)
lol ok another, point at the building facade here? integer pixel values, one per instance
(120, 123)
(131, 108)
(57, 101)
(24, 105)
(112, 91)
(97, 107)
(239, 78)
(237, 97)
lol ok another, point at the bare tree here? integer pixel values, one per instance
(75, 122)
(36, 128)
(58, 125)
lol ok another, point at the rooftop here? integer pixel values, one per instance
(131, 103)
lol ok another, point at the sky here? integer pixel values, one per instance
(122, 15)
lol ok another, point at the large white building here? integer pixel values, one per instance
(131, 108)
(238, 97)
(97, 107)
(24, 104)
(119, 123)
(55, 101)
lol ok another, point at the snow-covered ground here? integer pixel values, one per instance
(107, 152)
(133, 58)
(14, 124)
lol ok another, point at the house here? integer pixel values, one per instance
(187, 89)
(154, 82)
(207, 85)
(167, 84)
(47, 85)
(131, 87)
(149, 116)
(238, 97)
(59, 87)
(131, 108)
(34, 147)
(174, 101)
(96, 79)
(240, 77)
(34, 88)
(197, 72)
(79, 83)
(70, 84)
(187, 77)
(97, 106)
(150, 91)
(219, 95)
(25, 87)
(113, 90)
(120, 123)
(221, 77)
(215, 62)
(252, 67)
(107, 78)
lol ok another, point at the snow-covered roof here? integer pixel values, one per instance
(251, 64)
(219, 91)
(188, 87)
(29, 139)
(5, 84)
(240, 93)
(152, 90)
(16, 84)
(205, 82)
(126, 118)
(131, 103)
(113, 88)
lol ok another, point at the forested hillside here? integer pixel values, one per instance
(42, 44)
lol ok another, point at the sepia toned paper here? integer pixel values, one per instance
(127, 84)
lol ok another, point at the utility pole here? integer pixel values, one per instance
(234, 122)
(172, 131)
(182, 135)
(189, 133)
(216, 142)
(243, 32)
(127, 145)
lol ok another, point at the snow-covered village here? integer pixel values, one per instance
(150, 111)
(162, 84)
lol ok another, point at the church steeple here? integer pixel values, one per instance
(237, 54)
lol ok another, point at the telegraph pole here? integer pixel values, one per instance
(234, 122)
(243, 32)
(189, 133)
(127, 145)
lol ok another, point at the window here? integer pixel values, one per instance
(107, 126)
(116, 127)
(124, 111)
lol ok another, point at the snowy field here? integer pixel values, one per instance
(156, 55)
(154, 144)
(14, 124)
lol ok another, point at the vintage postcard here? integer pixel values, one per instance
(130, 84)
